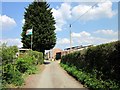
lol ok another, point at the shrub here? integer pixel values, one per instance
(31, 70)
(102, 61)
(25, 63)
(88, 81)
(37, 55)
(13, 67)
(12, 75)
(8, 53)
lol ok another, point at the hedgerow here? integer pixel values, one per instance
(13, 68)
(27, 62)
(37, 55)
(90, 80)
(24, 63)
(101, 62)
(12, 75)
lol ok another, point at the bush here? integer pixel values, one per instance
(8, 53)
(101, 61)
(25, 64)
(88, 80)
(31, 70)
(13, 67)
(37, 55)
(12, 75)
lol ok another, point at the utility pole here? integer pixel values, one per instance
(70, 39)
(32, 38)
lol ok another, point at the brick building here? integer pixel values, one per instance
(52, 53)
(56, 53)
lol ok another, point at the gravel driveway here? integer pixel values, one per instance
(53, 76)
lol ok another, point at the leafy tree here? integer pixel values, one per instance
(38, 16)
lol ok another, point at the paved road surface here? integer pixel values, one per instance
(53, 76)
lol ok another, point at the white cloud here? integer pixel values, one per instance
(59, 19)
(107, 32)
(23, 21)
(7, 22)
(61, 14)
(85, 38)
(81, 34)
(99, 40)
(62, 41)
(67, 12)
(89, 3)
(82, 37)
(12, 42)
(102, 10)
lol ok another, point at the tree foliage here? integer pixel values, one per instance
(38, 16)
(102, 60)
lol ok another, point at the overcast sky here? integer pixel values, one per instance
(99, 25)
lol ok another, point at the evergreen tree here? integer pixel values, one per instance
(38, 16)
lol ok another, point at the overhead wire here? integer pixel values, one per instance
(70, 24)
(83, 14)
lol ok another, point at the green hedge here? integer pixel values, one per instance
(13, 68)
(27, 63)
(10, 74)
(24, 63)
(89, 80)
(8, 54)
(37, 55)
(102, 61)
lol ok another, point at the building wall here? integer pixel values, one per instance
(54, 51)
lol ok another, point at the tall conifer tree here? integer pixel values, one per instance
(38, 16)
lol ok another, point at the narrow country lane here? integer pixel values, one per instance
(53, 76)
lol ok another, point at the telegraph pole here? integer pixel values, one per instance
(32, 38)
(70, 39)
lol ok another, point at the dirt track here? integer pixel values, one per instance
(53, 76)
